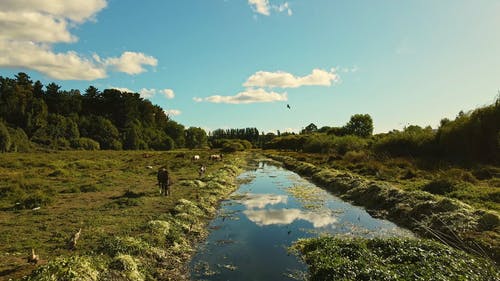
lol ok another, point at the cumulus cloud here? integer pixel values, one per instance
(64, 66)
(123, 90)
(263, 7)
(147, 93)
(131, 62)
(280, 79)
(78, 11)
(248, 96)
(173, 112)
(30, 28)
(168, 93)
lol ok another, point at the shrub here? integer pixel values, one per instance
(85, 144)
(5, 140)
(440, 186)
(413, 141)
(19, 140)
(356, 156)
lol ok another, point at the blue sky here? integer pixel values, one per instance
(238, 63)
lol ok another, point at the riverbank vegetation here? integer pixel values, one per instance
(331, 258)
(128, 231)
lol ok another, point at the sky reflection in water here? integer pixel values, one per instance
(251, 234)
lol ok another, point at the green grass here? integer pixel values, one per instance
(331, 258)
(478, 185)
(46, 197)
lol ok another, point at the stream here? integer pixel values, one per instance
(250, 236)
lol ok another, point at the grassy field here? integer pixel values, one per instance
(477, 185)
(113, 197)
(130, 232)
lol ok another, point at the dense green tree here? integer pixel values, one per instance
(196, 138)
(176, 131)
(19, 140)
(5, 141)
(101, 130)
(309, 129)
(360, 125)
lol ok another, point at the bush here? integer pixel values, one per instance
(321, 143)
(413, 142)
(440, 186)
(356, 156)
(85, 144)
(19, 140)
(5, 141)
(232, 147)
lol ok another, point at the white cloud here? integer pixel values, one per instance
(280, 79)
(169, 93)
(248, 96)
(64, 66)
(260, 6)
(31, 27)
(173, 112)
(131, 62)
(285, 7)
(78, 11)
(147, 93)
(263, 7)
(123, 90)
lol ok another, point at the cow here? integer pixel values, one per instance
(215, 157)
(196, 157)
(163, 181)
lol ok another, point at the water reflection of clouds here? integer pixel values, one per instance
(287, 216)
(260, 201)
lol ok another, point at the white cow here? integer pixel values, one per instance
(196, 157)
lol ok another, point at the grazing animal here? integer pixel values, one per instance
(149, 167)
(163, 181)
(196, 157)
(146, 155)
(33, 258)
(202, 170)
(74, 239)
(215, 157)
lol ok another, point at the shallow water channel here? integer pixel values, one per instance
(274, 207)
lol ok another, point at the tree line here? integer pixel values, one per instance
(32, 114)
(471, 137)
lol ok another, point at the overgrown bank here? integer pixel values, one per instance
(129, 232)
(331, 258)
(446, 220)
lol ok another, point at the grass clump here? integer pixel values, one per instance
(70, 268)
(331, 258)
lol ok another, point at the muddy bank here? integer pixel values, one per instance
(163, 248)
(443, 219)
